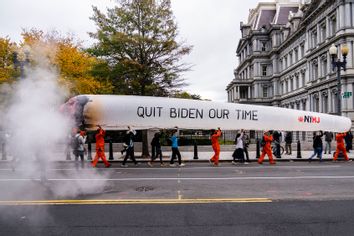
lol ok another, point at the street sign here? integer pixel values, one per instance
(347, 94)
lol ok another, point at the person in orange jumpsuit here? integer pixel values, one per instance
(340, 147)
(100, 148)
(267, 149)
(215, 134)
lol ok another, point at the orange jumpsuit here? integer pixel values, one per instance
(100, 149)
(340, 146)
(267, 150)
(216, 147)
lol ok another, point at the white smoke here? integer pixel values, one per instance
(38, 131)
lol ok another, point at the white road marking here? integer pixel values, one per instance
(191, 168)
(194, 178)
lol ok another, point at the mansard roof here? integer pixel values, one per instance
(265, 18)
(283, 14)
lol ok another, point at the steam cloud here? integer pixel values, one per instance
(38, 132)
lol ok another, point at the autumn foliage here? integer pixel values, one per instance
(73, 64)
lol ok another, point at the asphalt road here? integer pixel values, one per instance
(297, 198)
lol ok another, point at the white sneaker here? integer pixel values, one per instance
(246, 163)
(182, 164)
(172, 165)
(124, 165)
(234, 162)
(149, 164)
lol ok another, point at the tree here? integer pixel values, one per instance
(186, 95)
(7, 70)
(137, 39)
(75, 66)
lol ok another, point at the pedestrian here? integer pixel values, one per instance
(317, 145)
(238, 153)
(100, 148)
(246, 143)
(214, 137)
(340, 147)
(156, 149)
(328, 140)
(74, 143)
(81, 139)
(267, 149)
(175, 150)
(129, 141)
(276, 139)
(349, 141)
(288, 142)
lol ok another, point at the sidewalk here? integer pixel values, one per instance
(227, 156)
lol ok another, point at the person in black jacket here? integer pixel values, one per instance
(288, 141)
(276, 140)
(156, 149)
(317, 145)
(348, 141)
(129, 142)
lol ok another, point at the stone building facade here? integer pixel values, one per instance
(284, 56)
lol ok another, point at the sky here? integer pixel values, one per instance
(212, 27)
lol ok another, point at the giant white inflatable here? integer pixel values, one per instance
(115, 112)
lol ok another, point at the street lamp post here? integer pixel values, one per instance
(336, 63)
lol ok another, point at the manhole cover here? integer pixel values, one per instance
(144, 188)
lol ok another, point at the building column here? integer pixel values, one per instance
(350, 54)
(347, 14)
(340, 14)
(249, 92)
(352, 11)
(330, 106)
(320, 102)
(256, 95)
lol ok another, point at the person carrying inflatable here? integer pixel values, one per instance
(267, 149)
(100, 148)
(215, 135)
(340, 146)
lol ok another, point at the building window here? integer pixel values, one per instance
(324, 67)
(291, 85)
(265, 92)
(316, 103)
(333, 24)
(314, 38)
(264, 46)
(264, 70)
(286, 86)
(303, 79)
(297, 82)
(280, 65)
(286, 63)
(302, 48)
(323, 29)
(296, 52)
(325, 104)
(290, 58)
(282, 88)
(314, 70)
